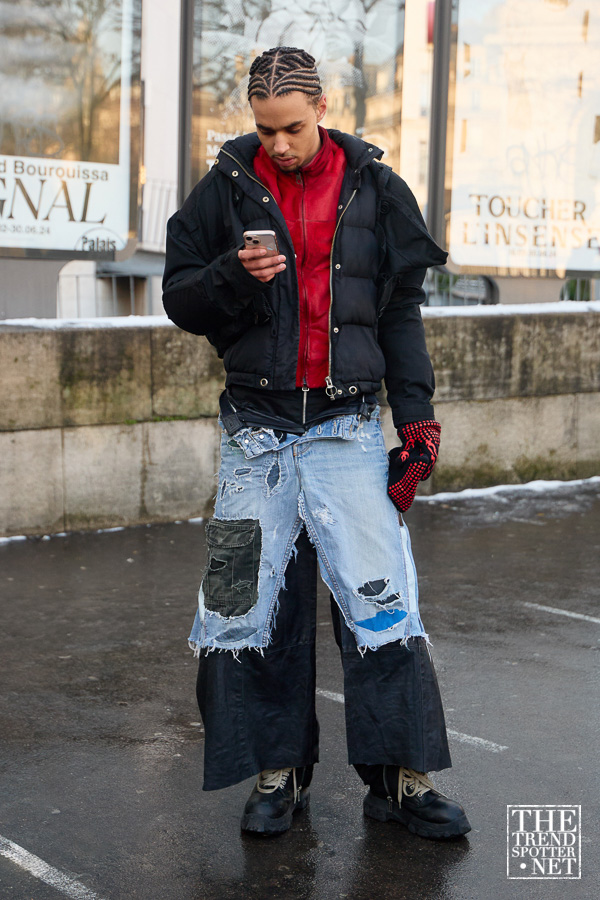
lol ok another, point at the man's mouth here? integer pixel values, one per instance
(285, 160)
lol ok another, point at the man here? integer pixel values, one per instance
(306, 337)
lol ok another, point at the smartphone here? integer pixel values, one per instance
(253, 240)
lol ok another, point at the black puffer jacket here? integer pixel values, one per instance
(380, 252)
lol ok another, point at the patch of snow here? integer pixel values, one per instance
(495, 309)
(59, 534)
(539, 486)
(98, 322)
(511, 309)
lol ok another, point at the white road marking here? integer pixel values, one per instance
(37, 867)
(331, 695)
(476, 741)
(562, 612)
(457, 735)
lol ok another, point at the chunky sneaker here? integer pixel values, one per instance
(276, 796)
(418, 805)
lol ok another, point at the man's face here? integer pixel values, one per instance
(287, 128)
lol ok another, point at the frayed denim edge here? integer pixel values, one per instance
(198, 648)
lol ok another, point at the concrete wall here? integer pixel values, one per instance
(107, 426)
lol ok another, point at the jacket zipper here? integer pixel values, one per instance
(330, 388)
(305, 388)
(300, 181)
(304, 396)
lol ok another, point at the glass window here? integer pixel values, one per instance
(524, 143)
(358, 46)
(60, 80)
(69, 126)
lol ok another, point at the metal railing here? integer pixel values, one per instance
(444, 289)
(580, 289)
(105, 294)
(90, 296)
(159, 203)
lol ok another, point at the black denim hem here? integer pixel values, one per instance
(393, 708)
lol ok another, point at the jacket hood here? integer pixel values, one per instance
(359, 153)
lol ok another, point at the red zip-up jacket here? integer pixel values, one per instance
(308, 200)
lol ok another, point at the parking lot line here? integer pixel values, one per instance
(562, 612)
(458, 735)
(37, 867)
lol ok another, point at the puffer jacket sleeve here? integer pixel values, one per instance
(205, 289)
(409, 378)
(410, 250)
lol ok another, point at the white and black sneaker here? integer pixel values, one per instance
(276, 796)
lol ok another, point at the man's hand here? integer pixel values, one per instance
(413, 462)
(258, 264)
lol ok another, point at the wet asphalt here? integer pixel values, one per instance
(101, 744)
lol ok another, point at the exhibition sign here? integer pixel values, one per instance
(68, 172)
(523, 177)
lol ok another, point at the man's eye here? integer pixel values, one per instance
(295, 131)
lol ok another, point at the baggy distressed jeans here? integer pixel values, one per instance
(259, 709)
(332, 480)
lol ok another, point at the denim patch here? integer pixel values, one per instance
(233, 633)
(383, 620)
(231, 579)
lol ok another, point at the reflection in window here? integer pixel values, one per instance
(358, 46)
(523, 167)
(60, 79)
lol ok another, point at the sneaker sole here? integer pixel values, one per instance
(377, 808)
(264, 825)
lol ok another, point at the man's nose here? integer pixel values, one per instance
(281, 145)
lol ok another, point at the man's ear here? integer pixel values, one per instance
(321, 108)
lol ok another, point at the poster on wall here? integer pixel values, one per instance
(525, 147)
(68, 110)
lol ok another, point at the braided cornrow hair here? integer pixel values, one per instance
(282, 70)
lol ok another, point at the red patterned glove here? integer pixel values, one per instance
(413, 461)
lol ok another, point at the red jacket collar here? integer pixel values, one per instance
(317, 165)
